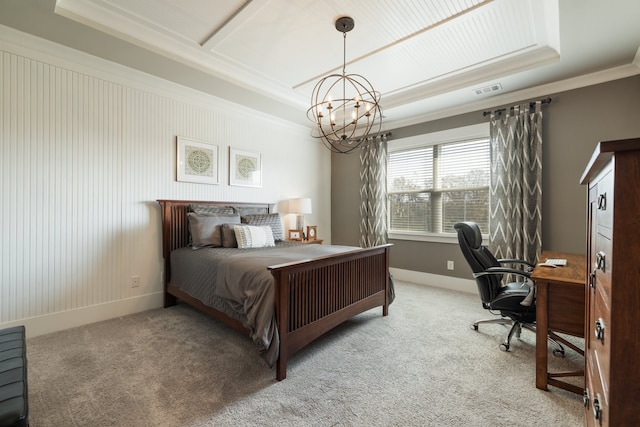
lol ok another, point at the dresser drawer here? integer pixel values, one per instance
(596, 405)
(602, 265)
(599, 330)
(604, 204)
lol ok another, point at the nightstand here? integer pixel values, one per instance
(313, 242)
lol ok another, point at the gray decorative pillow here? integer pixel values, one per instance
(250, 236)
(212, 210)
(205, 229)
(272, 220)
(251, 210)
(229, 235)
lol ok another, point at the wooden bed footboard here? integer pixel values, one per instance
(316, 295)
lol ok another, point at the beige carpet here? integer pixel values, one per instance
(422, 365)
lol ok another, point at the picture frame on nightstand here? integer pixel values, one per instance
(312, 232)
(295, 235)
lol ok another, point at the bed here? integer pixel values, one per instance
(309, 294)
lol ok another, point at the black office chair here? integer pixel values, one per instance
(514, 301)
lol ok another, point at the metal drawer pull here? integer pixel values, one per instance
(599, 330)
(585, 398)
(592, 279)
(602, 201)
(600, 261)
(597, 410)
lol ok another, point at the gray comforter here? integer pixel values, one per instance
(237, 282)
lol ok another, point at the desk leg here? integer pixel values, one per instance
(542, 328)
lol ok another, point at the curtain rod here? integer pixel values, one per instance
(379, 135)
(531, 104)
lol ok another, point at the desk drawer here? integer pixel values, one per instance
(566, 308)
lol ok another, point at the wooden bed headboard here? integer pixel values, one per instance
(175, 229)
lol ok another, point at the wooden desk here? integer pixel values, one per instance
(560, 307)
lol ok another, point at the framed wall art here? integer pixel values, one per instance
(197, 161)
(245, 168)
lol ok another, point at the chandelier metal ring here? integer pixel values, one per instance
(345, 107)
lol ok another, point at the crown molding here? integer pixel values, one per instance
(591, 79)
(173, 46)
(37, 48)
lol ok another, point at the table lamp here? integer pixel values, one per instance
(300, 207)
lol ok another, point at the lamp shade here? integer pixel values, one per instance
(300, 206)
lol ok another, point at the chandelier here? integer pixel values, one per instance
(344, 107)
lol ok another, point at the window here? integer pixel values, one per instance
(438, 180)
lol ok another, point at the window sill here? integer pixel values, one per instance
(424, 237)
(450, 238)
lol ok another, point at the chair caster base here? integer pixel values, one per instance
(504, 347)
(558, 352)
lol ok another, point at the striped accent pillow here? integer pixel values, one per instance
(249, 236)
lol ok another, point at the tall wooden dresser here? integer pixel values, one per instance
(612, 324)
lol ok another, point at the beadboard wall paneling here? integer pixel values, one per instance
(83, 159)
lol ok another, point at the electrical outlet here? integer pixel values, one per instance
(449, 265)
(135, 281)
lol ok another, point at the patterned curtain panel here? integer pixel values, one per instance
(516, 184)
(373, 193)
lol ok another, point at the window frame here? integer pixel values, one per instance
(461, 134)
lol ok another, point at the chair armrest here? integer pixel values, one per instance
(503, 270)
(516, 261)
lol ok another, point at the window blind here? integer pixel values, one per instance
(432, 188)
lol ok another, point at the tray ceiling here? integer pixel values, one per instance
(420, 54)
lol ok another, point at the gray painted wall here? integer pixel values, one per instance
(573, 124)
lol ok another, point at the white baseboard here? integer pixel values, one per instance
(83, 316)
(49, 323)
(436, 280)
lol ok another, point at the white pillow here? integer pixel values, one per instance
(250, 236)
